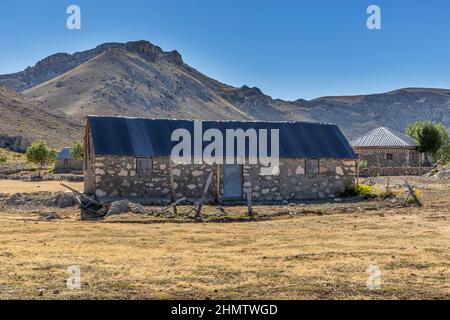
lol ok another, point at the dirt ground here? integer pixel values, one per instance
(319, 251)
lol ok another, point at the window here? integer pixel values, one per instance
(66, 162)
(312, 166)
(144, 166)
(389, 156)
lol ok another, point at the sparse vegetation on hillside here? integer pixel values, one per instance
(9, 157)
(25, 120)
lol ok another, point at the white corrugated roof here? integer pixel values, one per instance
(65, 153)
(384, 137)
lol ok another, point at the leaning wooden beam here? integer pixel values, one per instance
(173, 205)
(198, 209)
(82, 194)
(413, 194)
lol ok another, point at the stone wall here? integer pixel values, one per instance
(117, 177)
(395, 171)
(72, 165)
(377, 157)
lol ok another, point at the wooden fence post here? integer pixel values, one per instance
(198, 210)
(172, 186)
(249, 203)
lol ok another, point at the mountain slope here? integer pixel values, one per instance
(135, 80)
(140, 79)
(23, 121)
(51, 67)
(395, 109)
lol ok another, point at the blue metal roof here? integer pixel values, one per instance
(122, 136)
(65, 153)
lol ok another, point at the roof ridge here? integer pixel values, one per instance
(211, 120)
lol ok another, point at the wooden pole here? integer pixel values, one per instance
(357, 172)
(249, 203)
(82, 195)
(388, 185)
(172, 187)
(198, 210)
(173, 205)
(413, 194)
(217, 193)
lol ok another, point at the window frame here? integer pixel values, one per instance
(140, 173)
(318, 167)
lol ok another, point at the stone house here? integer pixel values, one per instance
(65, 163)
(388, 152)
(131, 158)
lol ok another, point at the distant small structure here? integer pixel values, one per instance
(65, 163)
(388, 152)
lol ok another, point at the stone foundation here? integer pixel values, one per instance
(117, 177)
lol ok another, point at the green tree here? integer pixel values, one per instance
(431, 135)
(77, 151)
(40, 154)
(443, 153)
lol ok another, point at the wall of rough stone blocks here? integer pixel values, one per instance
(376, 157)
(395, 171)
(117, 177)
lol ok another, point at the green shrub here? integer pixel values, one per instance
(3, 158)
(40, 154)
(443, 154)
(362, 164)
(77, 151)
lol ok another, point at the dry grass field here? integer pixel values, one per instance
(11, 187)
(321, 253)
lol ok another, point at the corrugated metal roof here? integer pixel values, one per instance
(65, 154)
(123, 136)
(384, 137)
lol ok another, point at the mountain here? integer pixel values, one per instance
(23, 121)
(140, 79)
(395, 109)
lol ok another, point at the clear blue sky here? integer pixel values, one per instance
(290, 49)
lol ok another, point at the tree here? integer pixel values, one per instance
(443, 153)
(40, 154)
(77, 151)
(431, 135)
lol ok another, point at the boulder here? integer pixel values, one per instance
(62, 200)
(118, 207)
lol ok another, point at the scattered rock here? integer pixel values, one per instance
(16, 199)
(50, 216)
(137, 209)
(119, 207)
(41, 292)
(62, 200)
